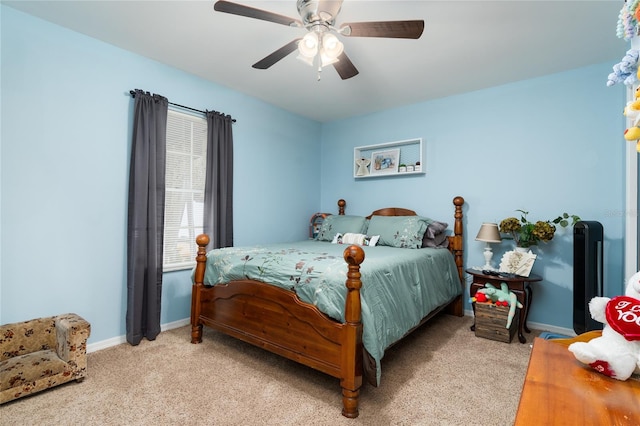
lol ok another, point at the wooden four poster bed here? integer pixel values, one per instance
(276, 319)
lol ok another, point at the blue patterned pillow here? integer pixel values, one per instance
(341, 224)
(399, 231)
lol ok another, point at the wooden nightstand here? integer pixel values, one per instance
(518, 285)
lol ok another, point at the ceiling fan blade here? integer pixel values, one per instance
(386, 29)
(345, 67)
(279, 54)
(251, 12)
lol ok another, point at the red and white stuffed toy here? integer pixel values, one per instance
(617, 352)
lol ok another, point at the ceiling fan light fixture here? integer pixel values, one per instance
(308, 46)
(318, 47)
(305, 59)
(326, 60)
(331, 46)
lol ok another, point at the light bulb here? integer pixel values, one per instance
(308, 46)
(331, 46)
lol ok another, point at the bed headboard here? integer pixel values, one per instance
(393, 211)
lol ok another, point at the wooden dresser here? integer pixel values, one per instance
(559, 390)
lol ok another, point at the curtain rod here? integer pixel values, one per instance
(133, 94)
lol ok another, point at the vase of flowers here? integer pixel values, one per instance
(526, 233)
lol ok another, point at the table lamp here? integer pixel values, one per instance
(489, 234)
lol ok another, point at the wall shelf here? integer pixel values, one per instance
(384, 159)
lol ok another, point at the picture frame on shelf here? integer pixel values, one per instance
(362, 165)
(385, 162)
(407, 152)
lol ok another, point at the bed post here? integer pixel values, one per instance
(352, 344)
(198, 284)
(456, 244)
(341, 204)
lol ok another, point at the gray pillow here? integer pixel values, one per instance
(341, 224)
(399, 231)
(435, 235)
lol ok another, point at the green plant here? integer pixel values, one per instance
(526, 233)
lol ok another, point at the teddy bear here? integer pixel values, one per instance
(617, 352)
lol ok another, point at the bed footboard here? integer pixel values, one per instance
(275, 319)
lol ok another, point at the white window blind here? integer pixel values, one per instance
(185, 176)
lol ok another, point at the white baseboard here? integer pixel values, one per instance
(114, 341)
(539, 326)
(104, 344)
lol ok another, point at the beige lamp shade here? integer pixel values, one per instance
(489, 233)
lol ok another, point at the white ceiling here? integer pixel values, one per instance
(466, 46)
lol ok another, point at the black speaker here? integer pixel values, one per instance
(587, 273)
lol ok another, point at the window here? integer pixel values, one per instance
(185, 177)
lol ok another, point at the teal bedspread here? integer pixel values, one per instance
(400, 286)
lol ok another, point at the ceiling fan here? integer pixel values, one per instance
(320, 46)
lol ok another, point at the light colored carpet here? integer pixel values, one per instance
(440, 375)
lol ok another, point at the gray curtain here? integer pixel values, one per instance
(146, 216)
(218, 189)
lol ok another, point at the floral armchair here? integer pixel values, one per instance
(42, 353)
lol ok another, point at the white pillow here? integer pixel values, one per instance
(351, 238)
(359, 239)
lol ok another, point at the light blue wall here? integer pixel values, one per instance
(547, 145)
(65, 143)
